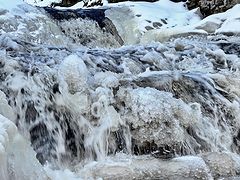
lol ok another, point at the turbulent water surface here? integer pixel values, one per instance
(93, 109)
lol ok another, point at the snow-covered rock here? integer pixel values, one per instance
(142, 17)
(145, 167)
(222, 23)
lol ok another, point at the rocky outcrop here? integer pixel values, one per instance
(209, 7)
(65, 3)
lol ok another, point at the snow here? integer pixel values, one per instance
(227, 22)
(41, 2)
(158, 15)
(146, 22)
(9, 5)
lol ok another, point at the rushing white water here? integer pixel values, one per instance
(162, 110)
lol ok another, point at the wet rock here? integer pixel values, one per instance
(230, 48)
(39, 136)
(126, 27)
(164, 21)
(31, 112)
(179, 46)
(93, 14)
(110, 27)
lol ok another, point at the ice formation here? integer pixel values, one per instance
(17, 157)
(158, 110)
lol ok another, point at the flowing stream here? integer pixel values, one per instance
(162, 110)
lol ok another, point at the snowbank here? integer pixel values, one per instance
(9, 4)
(41, 2)
(226, 23)
(143, 17)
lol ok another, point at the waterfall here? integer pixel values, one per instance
(79, 99)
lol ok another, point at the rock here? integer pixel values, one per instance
(209, 7)
(110, 27)
(116, 1)
(145, 167)
(126, 27)
(157, 24)
(65, 3)
(148, 28)
(222, 23)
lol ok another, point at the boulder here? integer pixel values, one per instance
(209, 7)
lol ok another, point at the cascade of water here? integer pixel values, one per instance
(77, 105)
(87, 107)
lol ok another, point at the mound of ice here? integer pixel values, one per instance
(74, 72)
(5, 109)
(157, 116)
(16, 156)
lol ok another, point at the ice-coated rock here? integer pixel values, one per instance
(17, 158)
(74, 72)
(144, 167)
(222, 23)
(156, 115)
(5, 109)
